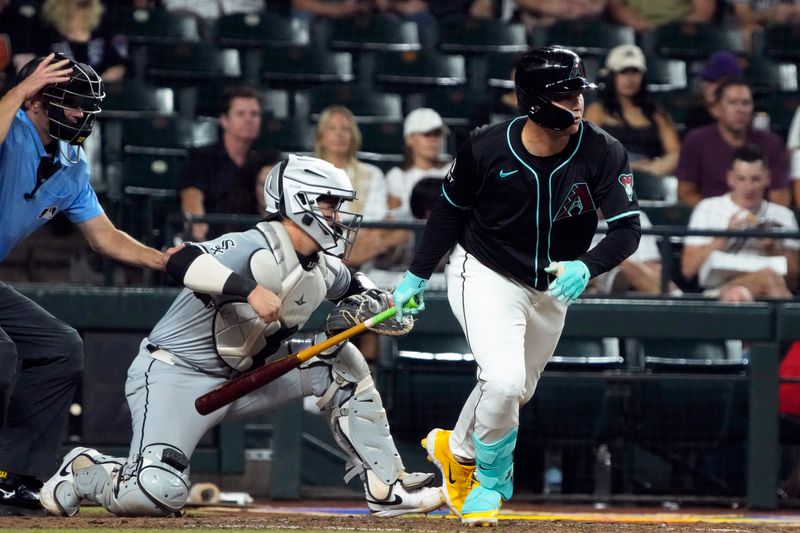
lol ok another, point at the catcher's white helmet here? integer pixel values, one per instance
(293, 189)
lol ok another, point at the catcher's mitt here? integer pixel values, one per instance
(360, 307)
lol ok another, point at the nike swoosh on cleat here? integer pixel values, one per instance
(504, 174)
(396, 501)
(450, 476)
(8, 495)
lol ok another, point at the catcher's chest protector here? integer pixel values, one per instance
(239, 333)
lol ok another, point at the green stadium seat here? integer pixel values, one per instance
(298, 67)
(367, 105)
(692, 42)
(187, 64)
(498, 70)
(670, 215)
(167, 135)
(286, 135)
(148, 183)
(589, 38)
(464, 35)
(782, 42)
(781, 107)
(767, 76)
(255, 30)
(377, 32)
(135, 98)
(666, 74)
(210, 100)
(384, 138)
(454, 104)
(677, 103)
(648, 186)
(410, 71)
(153, 27)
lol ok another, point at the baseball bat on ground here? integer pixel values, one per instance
(248, 382)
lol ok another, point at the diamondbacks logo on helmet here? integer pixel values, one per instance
(578, 201)
(626, 180)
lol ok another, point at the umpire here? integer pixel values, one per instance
(44, 120)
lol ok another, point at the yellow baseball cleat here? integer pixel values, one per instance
(457, 478)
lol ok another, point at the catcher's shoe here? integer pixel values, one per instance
(19, 495)
(457, 478)
(402, 501)
(58, 493)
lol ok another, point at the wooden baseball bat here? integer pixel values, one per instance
(250, 381)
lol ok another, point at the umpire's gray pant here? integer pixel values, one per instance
(41, 359)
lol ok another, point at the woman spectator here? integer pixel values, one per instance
(74, 29)
(424, 133)
(627, 111)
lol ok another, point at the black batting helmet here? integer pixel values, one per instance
(84, 91)
(542, 74)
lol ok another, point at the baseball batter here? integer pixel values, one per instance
(246, 296)
(518, 210)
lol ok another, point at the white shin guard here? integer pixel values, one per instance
(358, 420)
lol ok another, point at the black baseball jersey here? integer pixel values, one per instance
(516, 212)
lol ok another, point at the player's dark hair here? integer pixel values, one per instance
(424, 196)
(239, 91)
(749, 153)
(731, 81)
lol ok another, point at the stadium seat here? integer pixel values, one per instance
(166, 135)
(648, 186)
(782, 42)
(148, 183)
(298, 67)
(465, 35)
(377, 32)
(382, 143)
(589, 38)
(153, 27)
(410, 71)
(210, 100)
(255, 30)
(186, 64)
(781, 107)
(692, 42)
(135, 98)
(286, 135)
(498, 70)
(677, 103)
(666, 74)
(670, 215)
(767, 76)
(367, 105)
(454, 104)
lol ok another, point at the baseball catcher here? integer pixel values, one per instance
(246, 296)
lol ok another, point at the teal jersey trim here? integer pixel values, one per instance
(538, 198)
(550, 188)
(444, 192)
(623, 215)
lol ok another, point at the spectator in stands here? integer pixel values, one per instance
(627, 111)
(476, 9)
(722, 64)
(210, 171)
(74, 29)
(753, 15)
(543, 13)
(424, 133)
(644, 15)
(310, 9)
(768, 268)
(247, 195)
(641, 272)
(707, 152)
(793, 145)
(337, 140)
(208, 11)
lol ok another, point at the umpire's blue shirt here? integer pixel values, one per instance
(67, 190)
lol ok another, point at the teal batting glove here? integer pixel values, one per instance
(411, 287)
(571, 280)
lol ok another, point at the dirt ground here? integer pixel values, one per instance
(263, 517)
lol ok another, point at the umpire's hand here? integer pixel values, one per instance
(265, 303)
